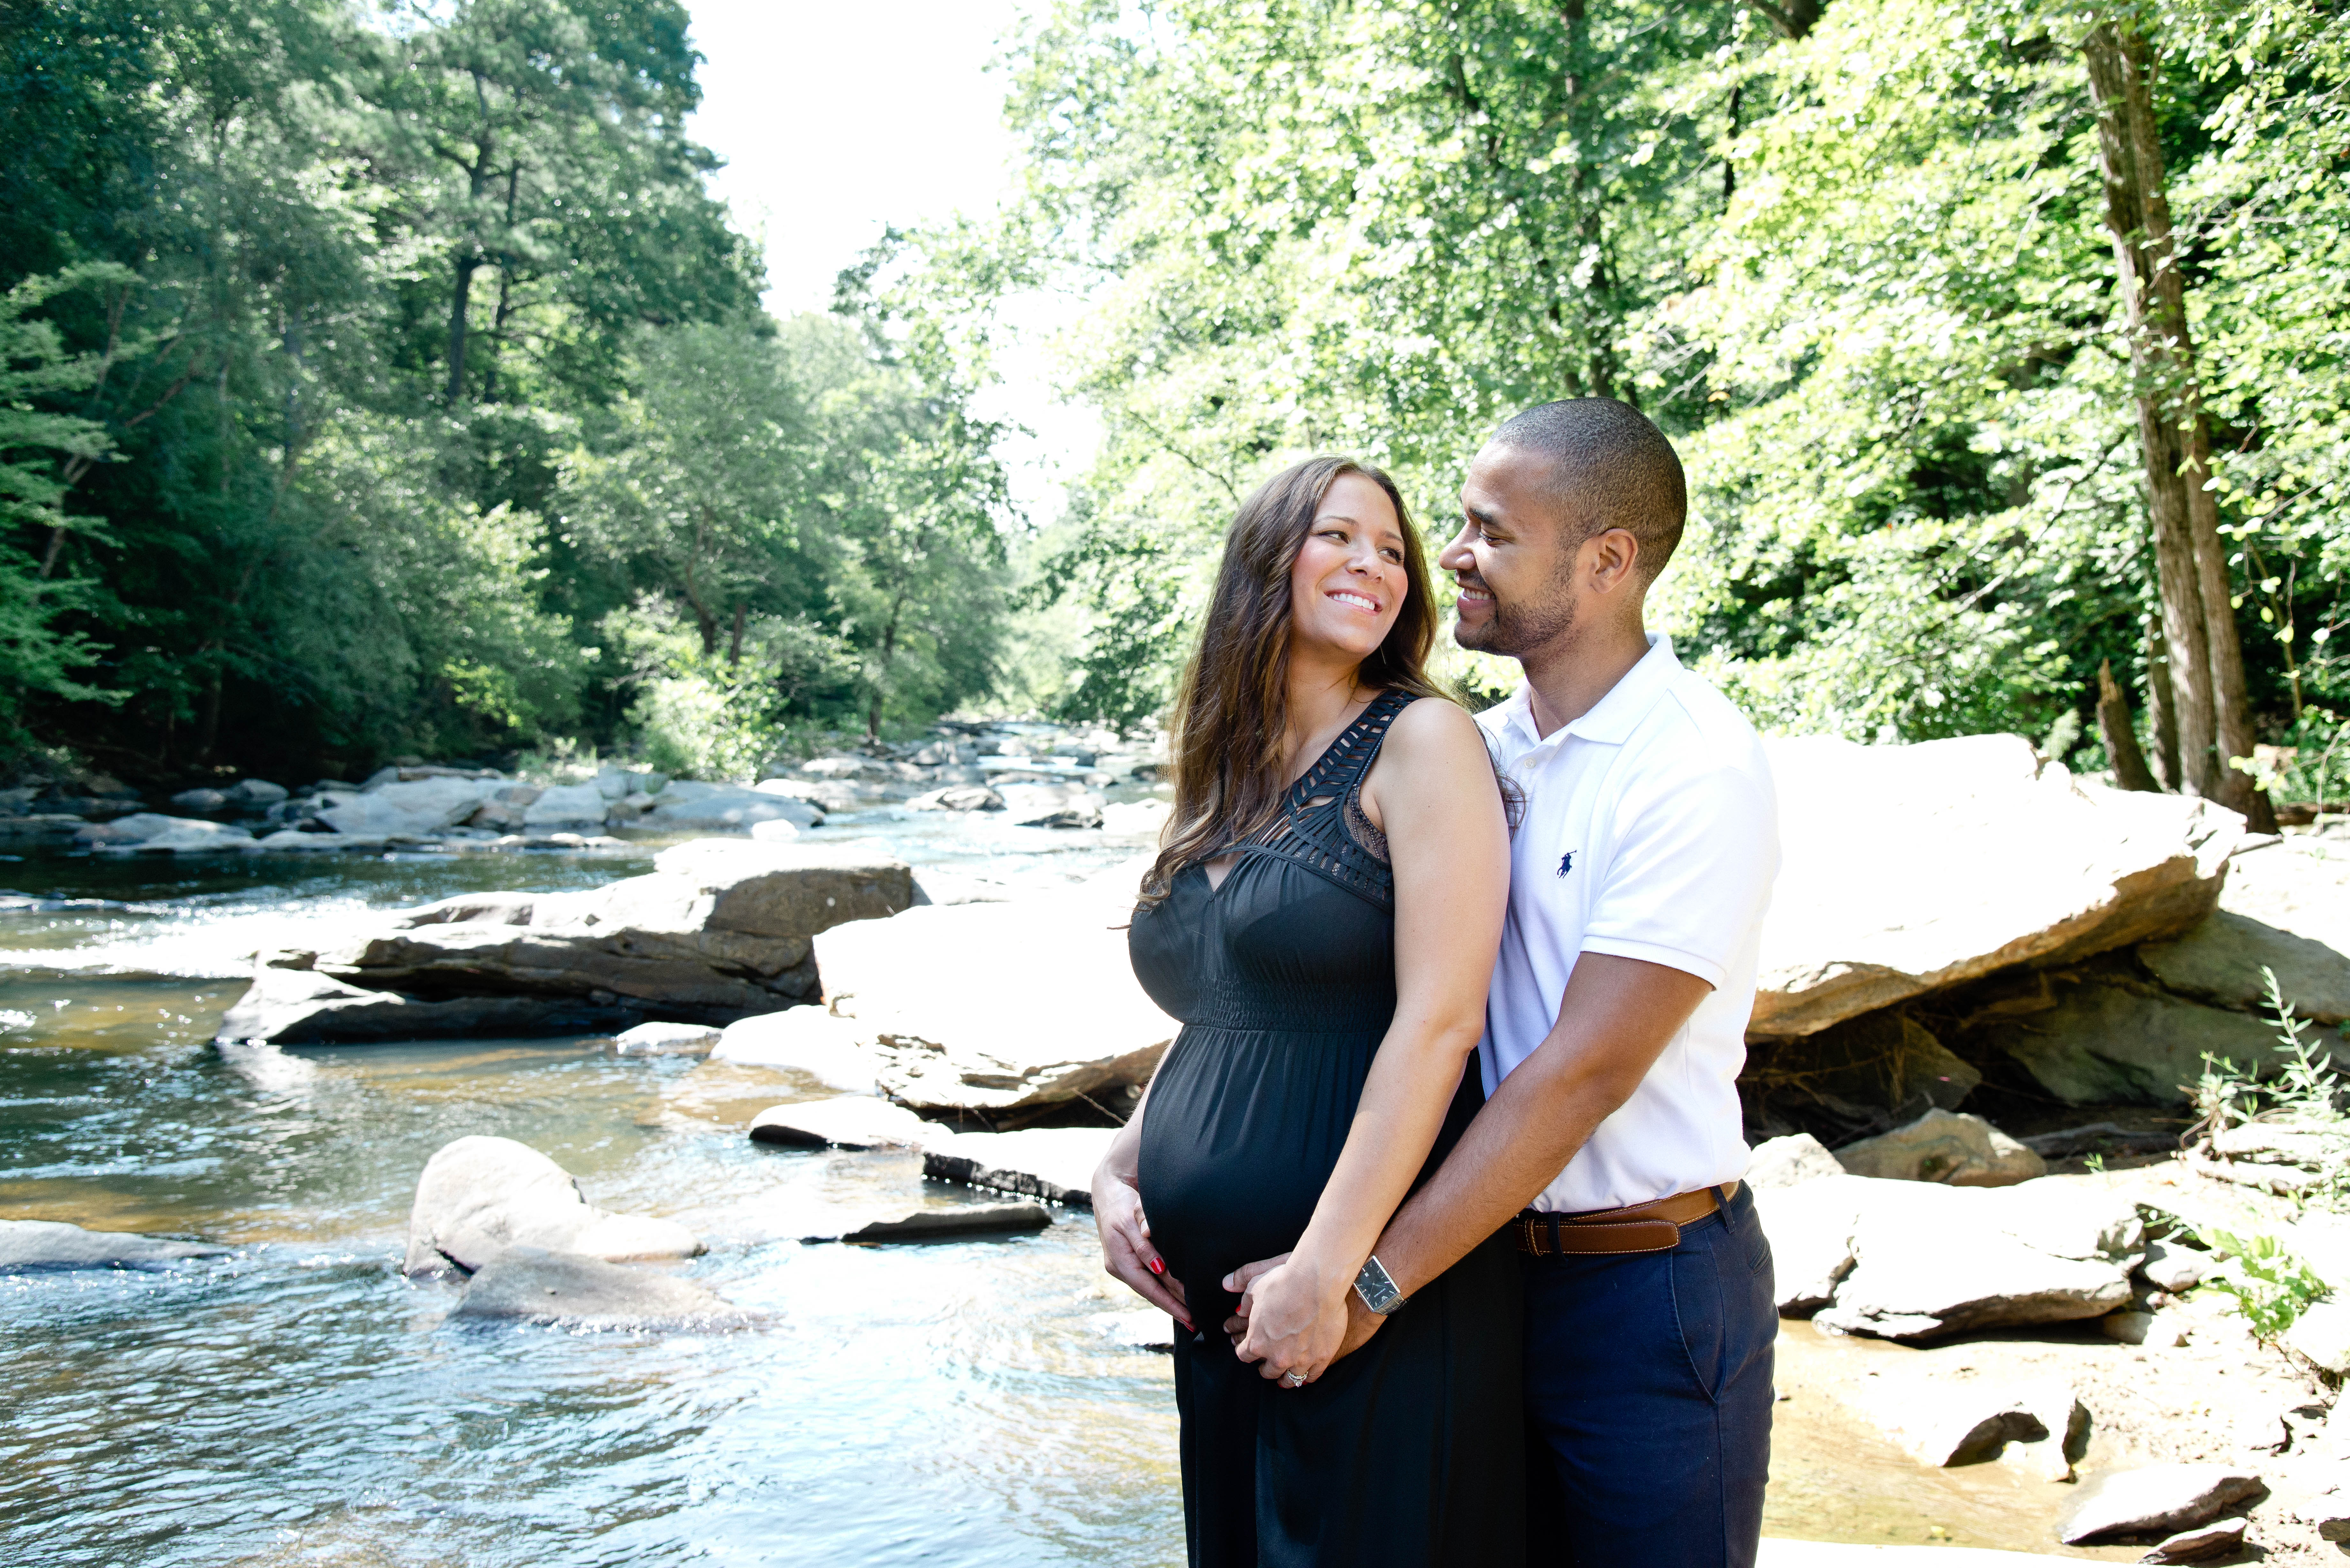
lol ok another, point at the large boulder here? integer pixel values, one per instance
(709, 936)
(718, 808)
(1909, 869)
(538, 1284)
(479, 1196)
(30, 1244)
(1002, 1009)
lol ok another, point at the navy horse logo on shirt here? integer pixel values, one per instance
(1566, 863)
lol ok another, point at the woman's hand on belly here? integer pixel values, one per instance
(1295, 1321)
(1127, 1252)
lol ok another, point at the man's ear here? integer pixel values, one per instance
(1611, 561)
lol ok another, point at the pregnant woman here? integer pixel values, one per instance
(1322, 917)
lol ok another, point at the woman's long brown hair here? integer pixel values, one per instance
(1232, 712)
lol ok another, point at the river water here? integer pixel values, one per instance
(299, 1401)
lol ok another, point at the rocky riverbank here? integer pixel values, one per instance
(1037, 774)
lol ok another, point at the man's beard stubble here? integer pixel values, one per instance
(1517, 629)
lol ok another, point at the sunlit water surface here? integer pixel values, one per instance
(299, 1401)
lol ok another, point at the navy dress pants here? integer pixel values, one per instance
(1648, 1398)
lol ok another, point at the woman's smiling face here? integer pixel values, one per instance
(1348, 585)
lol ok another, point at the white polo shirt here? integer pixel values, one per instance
(1652, 832)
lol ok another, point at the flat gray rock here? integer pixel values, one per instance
(28, 1244)
(1055, 1164)
(2109, 1041)
(1953, 1148)
(1915, 1260)
(2221, 1538)
(1146, 1330)
(953, 1224)
(2156, 1500)
(2175, 1268)
(719, 931)
(666, 1040)
(809, 1039)
(1000, 1008)
(2221, 961)
(480, 1196)
(709, 807)
(848, 1121)
(302, 1007)
(535, 1284)
(1790, 1162)
(1940, 1420)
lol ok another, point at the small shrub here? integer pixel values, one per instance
(2272, 1287)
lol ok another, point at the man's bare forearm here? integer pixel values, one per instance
(1616, 1018)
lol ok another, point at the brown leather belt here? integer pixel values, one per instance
(1642, 1227)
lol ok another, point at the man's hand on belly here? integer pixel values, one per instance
(1361, 1320)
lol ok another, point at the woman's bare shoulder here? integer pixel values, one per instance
(1435, 738)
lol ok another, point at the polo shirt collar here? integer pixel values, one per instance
(1614, 717)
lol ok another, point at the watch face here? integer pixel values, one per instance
(1378, 1291)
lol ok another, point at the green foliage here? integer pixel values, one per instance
(35, 657)
(319, 312)
(2272, 1287)
(1851, 258)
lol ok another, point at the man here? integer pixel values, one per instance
(1610, 1143)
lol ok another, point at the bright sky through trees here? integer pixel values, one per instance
(838, 121)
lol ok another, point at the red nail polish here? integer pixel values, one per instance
(1157, 1265)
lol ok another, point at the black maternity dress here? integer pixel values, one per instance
(1410, 1451)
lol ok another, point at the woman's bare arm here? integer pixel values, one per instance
(1450, 848)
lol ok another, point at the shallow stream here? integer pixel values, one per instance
(299, 1402)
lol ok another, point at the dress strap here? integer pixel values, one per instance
(1340, 768)
(1311, 830)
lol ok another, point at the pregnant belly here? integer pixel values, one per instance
(1239, 1138)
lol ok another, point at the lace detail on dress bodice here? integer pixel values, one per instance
(1322, 826)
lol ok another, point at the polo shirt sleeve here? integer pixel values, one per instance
(1691, 876)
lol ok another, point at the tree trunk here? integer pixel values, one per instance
(735, 644)
(2159, 717)
(2130, 771)
(881, 686)
(2114, 59)
(459, 299)
(208, 724)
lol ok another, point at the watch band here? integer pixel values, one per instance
(1378, 1291)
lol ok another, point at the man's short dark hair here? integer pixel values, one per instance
(1611, 468)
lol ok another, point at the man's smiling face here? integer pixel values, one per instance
(1512, 557)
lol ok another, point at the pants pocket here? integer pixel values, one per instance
(1695, 1278)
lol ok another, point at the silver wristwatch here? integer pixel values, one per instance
(1378, 1291)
